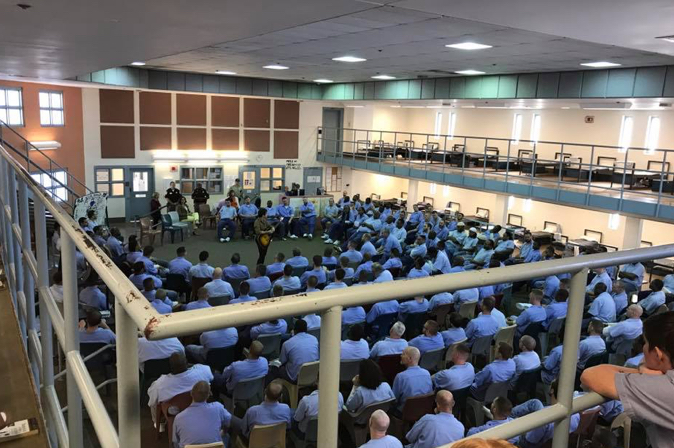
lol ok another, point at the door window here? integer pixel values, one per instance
(140, 181)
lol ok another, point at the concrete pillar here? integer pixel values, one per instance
(412, 193)
(632, 233)
(500, 213)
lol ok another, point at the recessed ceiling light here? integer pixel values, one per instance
(470, 72)
(276, 67)
(323, 81)
(383, 77)
(349, 59)
(600, 64)
(225, 72)
(468, 46)
(566, 107)
(667, 38)
(138, 63)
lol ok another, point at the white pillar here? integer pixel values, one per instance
(412, 193)
(632, 233)
(500, 213)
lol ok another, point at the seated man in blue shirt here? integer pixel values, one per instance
(418, 270)
(253, 366)
(438, 429)
(534, 314)
(248, 215)
(430, 339)
(632, 274)
(270, 412)
(602, 307)
(354, 347)
(600, 277)
(286, 214)
(413, 381)
(619, 297)
(307, 219)
(260, 282)
(484, 324)
(501, 408)
(317, 271)
(277, 266)
(415, 306)
(626, 330)
(202, 300)
(558, 308)
(201, 270)
(297, 260)
(527, 359)
(501, 370)
(392, 345)
(227, 220)
(460, 375)
(275, 326)
(201, 422)
(297, 350)
(331, 214)
(93, 297)
(94, 330)
(591, 345)
(180, 265)
(655, 299)
(288, 281)
(236, 271)
(218, 287)
(209, 340)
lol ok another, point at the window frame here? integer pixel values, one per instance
(209, 182)
(333, 185)
(52, 188)
(51, 109)
(438, 124)
(516, 135)
(627, 123)
(651, 143)
(271, 178)
(535, 134)
(4, 91)
(451, 124)
(110, 182)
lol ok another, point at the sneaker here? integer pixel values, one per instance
(336, 243)
(284, 239)
(222, 240)
(324, 236)
(293, 237)
(305, 235)
(175, 304)
(311, 237)
(328, 241)
(227, 240)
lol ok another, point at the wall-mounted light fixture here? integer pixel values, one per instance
(200, 156)
(45, 145)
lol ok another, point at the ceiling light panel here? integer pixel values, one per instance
(276, 67)
(469, 72)
(349, 59)
(383, 77)
(600, 64)
(468, 46)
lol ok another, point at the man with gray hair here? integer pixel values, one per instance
(414, 380)
(628, 329)
(201, 422)
(379, 423)
(392, 345)
(437, 429)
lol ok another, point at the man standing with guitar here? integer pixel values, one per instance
(263, 234)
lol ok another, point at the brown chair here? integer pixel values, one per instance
(198, 282)
(390, 366)
(147, 230)
(356, 423)
(588, 421)
(413, 409)
(167, 411)
(205, 216)
(467, 309)
(440, 314)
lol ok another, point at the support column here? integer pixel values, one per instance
(18, 263)
(70, 316)
(328, 376)
(28, 281)
(632, 233)
(46, 335)
(500, 210)
(128, 389)
(412, 193)
(567, 373)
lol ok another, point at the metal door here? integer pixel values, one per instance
(250, 181)
(139, 190)
(313, 180)
(333, 123)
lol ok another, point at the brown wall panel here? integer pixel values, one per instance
(256, 140)
(155, 138)
(286, 114)
(155, 108)
(191, 110)
(225, 139)
(117, 142)
(286, 145)
(191, 138)
(116, 106)
(256, 113)
(225, 111)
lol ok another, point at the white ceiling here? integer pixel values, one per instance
(64, 38)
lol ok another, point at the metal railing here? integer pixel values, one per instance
(578, 167)
(27, 270)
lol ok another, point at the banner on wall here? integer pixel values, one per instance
(92, 201)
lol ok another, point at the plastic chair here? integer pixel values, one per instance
(206, 217)
(175, 220)
(390, 367)
(432, 359)
(167, 410)
(481, 348)
(525, 385)
(153, 369)
(588, 421)
(550, 338)
(310, 439)
(235, 283)
(272, 345)
(356, 423)
(448, 353)
(307, 377)
(207, 445)
(266, 436)
(219, 358)
(380, 327)
(261, 294)
(177, 283)
(504, 334)
(198, 282)
(494, 390)
(460, 398)
(246, 393)
(623, 421)
(467, 309)
(219, 300)
(299, 270)
(291, 292)
(348, 368)
(148, 231)
(168, 226)
(440, 314)
(415, 408)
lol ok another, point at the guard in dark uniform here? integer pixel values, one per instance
(199, 196)
(172, 197)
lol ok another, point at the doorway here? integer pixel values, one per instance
(333, 124)
(139, 188)
(250, 181)
(313, 180)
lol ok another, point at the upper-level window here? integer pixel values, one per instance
(54, 184)
(535, 128)
(51, 108)
(451, 124)
(517, 128)
(626, 129)
(438, 124)
(652, 134)
(11, 106)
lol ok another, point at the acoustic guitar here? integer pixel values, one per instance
(266, 238)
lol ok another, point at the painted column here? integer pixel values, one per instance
(632, 233)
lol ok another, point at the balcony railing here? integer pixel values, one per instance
(27, 271)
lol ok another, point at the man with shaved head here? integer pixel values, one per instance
(219, 287)
(437, 429)
(252, 367)
(630, 328)
(379, 423)
(414, 380)
(201, 422)
(269, 412)
(201, 302)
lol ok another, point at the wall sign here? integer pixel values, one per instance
(293, 164)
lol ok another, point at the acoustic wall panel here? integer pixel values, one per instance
(155, 138)
(255, 140)
(117, 142)
(594, 84)
(155, 108)
(286, 114)
(507, 86)
(225, 111)
(570, 84)
(649, 81)
(191, 110)
(526, 85)
(548, 85)
(256, 112)
(620, 83)
(225, 139)
(116, 106)
(191, 138)
(286, 144)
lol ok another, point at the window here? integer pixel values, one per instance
(333, 178)
(517, 128)
(51, 108)
(535, 129)
(451, 124)
(626, 129)
(434, 188)
(272, 178)
(11, 106)
(110, 181)
(210, 178)
(652, 134)
(438, 124)
(53, 183)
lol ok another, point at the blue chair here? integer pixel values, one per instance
(167, 226)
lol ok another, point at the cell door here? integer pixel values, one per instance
(250, 181)
(313, 180)
(333, 124)
(140, 187)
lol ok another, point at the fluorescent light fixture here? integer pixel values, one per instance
(613, 221)
(276, 67)
(356, 106)
(600, 64)
(666, 38)
(445, 190)
(566, 107)
(434, 188)
(652, 134)
(349, 59)
(138, 63)
(527, 205)
(605, 106)
(199, 156)
(469, 72)
(45, 145)
(435, 107)
(626, 129)
(225, 72)
(396, 106)
(323, 81)
(468, 46)
(384, 77)
(511, 202)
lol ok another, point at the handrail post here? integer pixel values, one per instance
(567, 373)
(70, 312)
(128, 391)
(28, 281)
(18, 262)
(328, 376)
(47, 371)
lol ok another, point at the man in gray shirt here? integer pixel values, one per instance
(647, 393)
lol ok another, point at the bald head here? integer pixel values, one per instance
(445, 401)
(217, 273)
(379, 423)
(634, 311)
(410, 356)
(200, 392)
(255, 350)
(273, 392)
